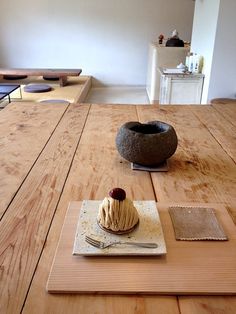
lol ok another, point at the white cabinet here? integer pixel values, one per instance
(181, 88)
(160, 56)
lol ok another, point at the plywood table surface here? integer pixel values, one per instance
(47, 165)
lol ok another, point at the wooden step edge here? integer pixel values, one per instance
(84, 92)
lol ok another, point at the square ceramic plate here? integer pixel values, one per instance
(149, 229)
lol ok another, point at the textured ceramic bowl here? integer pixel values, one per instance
(146, 144)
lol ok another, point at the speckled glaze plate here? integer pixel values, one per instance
(118, 232)
(149, 229)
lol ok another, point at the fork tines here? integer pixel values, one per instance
(93, 242)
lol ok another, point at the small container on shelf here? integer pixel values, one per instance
(160, 39)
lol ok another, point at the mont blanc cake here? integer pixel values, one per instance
(117, 213)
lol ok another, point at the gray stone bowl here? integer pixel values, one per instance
(146, 144)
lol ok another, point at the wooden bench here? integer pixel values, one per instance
(62, 74)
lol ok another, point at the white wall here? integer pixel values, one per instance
(108, 39)
(223, 74)
(214, 37)
(203, 36)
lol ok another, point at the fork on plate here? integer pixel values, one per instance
(103, 245)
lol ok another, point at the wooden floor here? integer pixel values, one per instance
(54, 154)
(117, 95)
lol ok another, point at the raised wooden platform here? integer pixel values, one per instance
(62, 74)
(75, 91)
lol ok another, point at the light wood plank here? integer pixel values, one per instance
(25, 225)
(220, 128)
(25, 129)
(210, 305)
(193, 180)
(38, 299)
(97, 167)
(84, 91)
(200, 170)
(228, 111)
(190, 267)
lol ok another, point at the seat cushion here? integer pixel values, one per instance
(54, 101)
(37, 88)
(50, 78)
(223, 101)
(14, 77)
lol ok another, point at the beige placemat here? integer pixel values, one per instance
(196, 223)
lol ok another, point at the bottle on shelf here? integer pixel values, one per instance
(190, 61)
(194, 62)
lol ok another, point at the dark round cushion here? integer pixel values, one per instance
(64, 101)
(50, 78)
(14, 77)
(37, 88)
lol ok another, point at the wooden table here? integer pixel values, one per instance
(52, 154)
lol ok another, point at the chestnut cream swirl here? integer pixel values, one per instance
(117, 215)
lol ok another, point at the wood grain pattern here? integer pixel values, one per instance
(25, 230)
(191, 178)
(96, 168)
(199, 166)
(25, 225)
(222, 130)
(188, 268)
(187, 186)
(227, 111)
(24, 132)
(84, 91)
(97, 165)
(208, 305)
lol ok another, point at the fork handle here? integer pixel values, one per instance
(142, 244)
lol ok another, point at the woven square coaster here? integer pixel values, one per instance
(196, 223)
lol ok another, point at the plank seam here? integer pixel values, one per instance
(150, 175)
(225, 116)
(55, 210)
(33, 164)
(212, 134)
